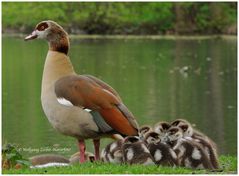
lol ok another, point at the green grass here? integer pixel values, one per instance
(228, 166)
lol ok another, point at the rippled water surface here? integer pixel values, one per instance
(159, 80)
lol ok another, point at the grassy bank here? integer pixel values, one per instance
(228, 166)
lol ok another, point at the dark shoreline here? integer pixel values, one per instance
(152, 37)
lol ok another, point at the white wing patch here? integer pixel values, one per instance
(196, 154)
(87, 110)
(158, 155)
(129, 154)
(64, 101)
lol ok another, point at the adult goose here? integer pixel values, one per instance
(80, 106)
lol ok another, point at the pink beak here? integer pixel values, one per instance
(32, 36)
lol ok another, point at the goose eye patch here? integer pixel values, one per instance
(42, 26)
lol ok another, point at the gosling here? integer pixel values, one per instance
(112, 153)
(162, 153)
(207, 144)
(190, 154)
(135, 152)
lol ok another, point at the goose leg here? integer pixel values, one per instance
(97, 148)
(81, 145)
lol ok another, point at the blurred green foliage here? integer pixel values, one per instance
(123, 17)
(11, 157)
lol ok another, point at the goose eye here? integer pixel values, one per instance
(42, 26)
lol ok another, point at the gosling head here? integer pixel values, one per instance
(143, 130)
(185, 126)
(178, 121)
(152, 137)
(174, 134)
(161, 127)
(131, 139)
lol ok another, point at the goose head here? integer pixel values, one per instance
(53, 33)
(46, 30)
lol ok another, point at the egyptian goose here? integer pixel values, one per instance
(80, 106)
(189, 153)
(135, 151)
(162, 153)
(198, 137)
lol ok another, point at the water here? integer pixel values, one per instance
(157, 79)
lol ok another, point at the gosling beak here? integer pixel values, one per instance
(32, 36)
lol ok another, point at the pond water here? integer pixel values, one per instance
(159, 80)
